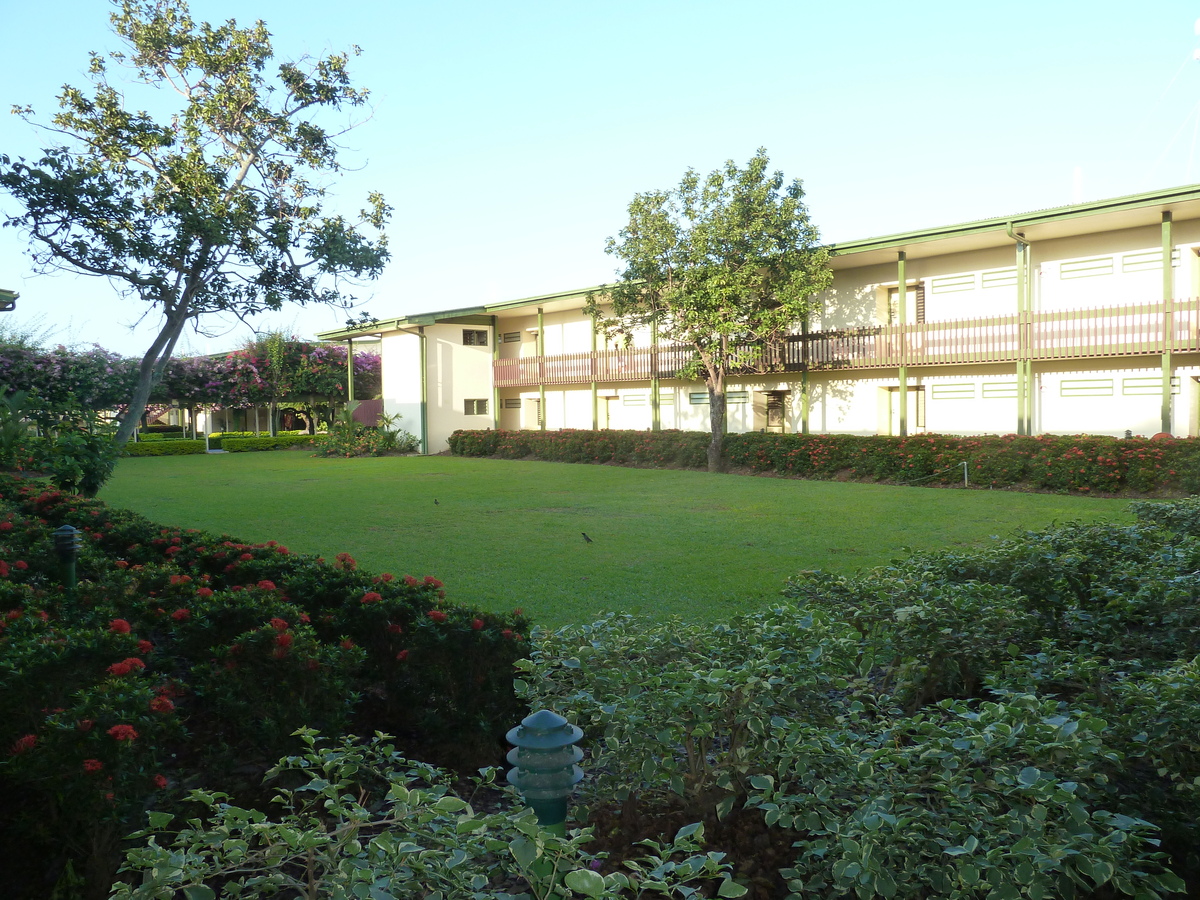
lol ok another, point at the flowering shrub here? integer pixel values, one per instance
(184, 657)
(1080, 463)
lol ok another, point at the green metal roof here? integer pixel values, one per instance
(1147, 200)
(1151, 200)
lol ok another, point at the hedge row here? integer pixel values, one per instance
(216, 439)
(1080, 463)
(164, 448)
(186, 659)
(241, 445)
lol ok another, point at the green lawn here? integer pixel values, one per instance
(506, 534)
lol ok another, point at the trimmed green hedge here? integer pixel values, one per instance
(1081, 463)
(241, 445)
(217, 438)
(171, 447)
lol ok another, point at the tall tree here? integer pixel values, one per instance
(215, 207)
(727, 265)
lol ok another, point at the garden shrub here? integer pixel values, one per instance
(355, 820)
(214, 651)
(1003, 799)
(241, 445)
(348, 437)
(164, 448)
(1080, 463)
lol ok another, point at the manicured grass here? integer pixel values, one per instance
(506, 534)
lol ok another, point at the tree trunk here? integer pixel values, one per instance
(149, 371)
(716, 419)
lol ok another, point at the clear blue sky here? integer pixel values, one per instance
(510, 137)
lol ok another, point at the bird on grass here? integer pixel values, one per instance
(586, 539)
(435, 503)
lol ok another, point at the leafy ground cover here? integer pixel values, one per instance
(508, 533)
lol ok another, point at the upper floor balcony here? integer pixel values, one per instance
(1130, 330)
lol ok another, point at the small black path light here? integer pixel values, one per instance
(66, 545)
(545, 758)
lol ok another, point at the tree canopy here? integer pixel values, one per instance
(215, 207)
(725, 264)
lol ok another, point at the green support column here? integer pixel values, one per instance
(541, 352)
(1168, 292)
(1022, 378)
(423, 353)
(350, 370)
(495, 387)
(804, 402)
(595, 394)
(655, 418)
(902, 309)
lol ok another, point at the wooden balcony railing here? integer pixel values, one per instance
(1132, 330)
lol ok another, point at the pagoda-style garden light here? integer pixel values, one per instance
(545, 757)
(66, 544)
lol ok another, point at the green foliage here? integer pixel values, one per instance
(348, 437)
(1018, 721)
(81, 455)
(1079, 463)
(217, 206)
(164, 448)
(359, 820)
(1003, 799)
(15, 446)
(723, 265)
(663, 449)
(280, 442)
(213, 652)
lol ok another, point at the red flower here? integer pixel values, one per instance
(120, 668)
(181, 615)
(144, 646)
(161, 705)
(123, 733)
(3, 569)
(24, 744)
(92, 765)
(304, 619)
(160, 782)
(386, 577)
(279, 624)
(410, 581)
(204, 592)
(370, 597)
(507, 632)
(85, 724)
(402, 655)
(477, 624)
(20, 564)
(119, 626)
(347, 644)
(437, 615)
(246, 557)
(432, 582)
(6, 526)
(265, 585)
(121, 564)
(393, 628)
(283, 640)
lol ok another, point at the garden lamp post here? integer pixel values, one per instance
(545, 757)
(66, 545)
